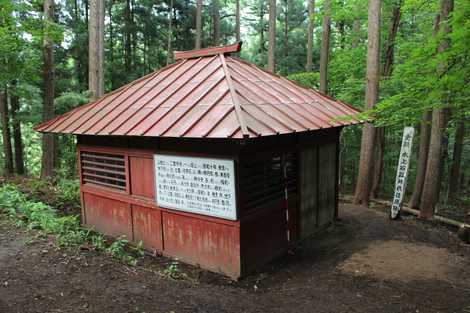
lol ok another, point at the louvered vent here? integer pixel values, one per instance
(104, 169)
(266, 180)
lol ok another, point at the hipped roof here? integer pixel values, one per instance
(206, 94)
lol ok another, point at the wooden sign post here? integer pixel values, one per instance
(402, 172)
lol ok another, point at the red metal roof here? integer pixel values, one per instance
(206, 93)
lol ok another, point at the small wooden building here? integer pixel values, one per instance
(210, 160)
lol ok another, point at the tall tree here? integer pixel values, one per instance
(363, 185)
(237, 20)
(216, 22)
(17, 138)
(48, 140)
(311, 11)
(128, 58)
(325, 47)
(96, 49)
(424, 136)
(387, 73)
(356, 28)
(170, 33)
(454, 175)
(272, 37)
(7, 151)
(433, 178)
(198, 24)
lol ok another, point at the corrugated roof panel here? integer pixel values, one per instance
(206, 94)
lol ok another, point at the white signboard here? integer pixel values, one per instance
(402, 171)
(198, 185)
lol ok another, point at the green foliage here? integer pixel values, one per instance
(172, 271)
(306, 79)
(40, 216)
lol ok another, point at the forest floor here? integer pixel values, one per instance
(366, 263)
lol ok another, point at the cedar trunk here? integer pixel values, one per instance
(454, 176)
(48, 142)
(433, 177)
(237, 20)
(272, 37)
(96, 49)
(380, 132)
(197, 44)
(170, 34)
(424, 137)
(363, 186)
(18, 140)
(8, 163)
(216, 21)
(356, 31)
(311, 10)
(325, 47)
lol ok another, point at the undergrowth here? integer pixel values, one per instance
(33, 214)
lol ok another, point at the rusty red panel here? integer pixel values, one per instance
(211, 245)
(207, 93)
(147, 225)
(142, 177)
(108, 216)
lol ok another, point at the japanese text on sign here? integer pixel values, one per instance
(402, 171)
(198, 185)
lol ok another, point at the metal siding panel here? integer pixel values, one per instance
(211, 245)
(108, 216)
(147, 226)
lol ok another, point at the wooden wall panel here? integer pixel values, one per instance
(326, 183)
(147, 227)
(263, 236)
(142, 176)
(211, 245)
(108, 216)
(308, 192)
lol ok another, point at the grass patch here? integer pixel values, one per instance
(25, 212)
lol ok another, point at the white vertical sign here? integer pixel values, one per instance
(402, 171)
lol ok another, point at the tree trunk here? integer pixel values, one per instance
(378, 161)
(237, 20)
(128, 37)
(8, 163)
(387, 73)
(424, 136)
(433, 177)
(311, 11)
(48, 141)
(272, 37)
(261, 27)
(356, 30)
(454, 176)
(169, 55)
(18, 140)
(216, 21)
(325, 47)
(363, 185)
(198, 24)
(96, 49)
(286, 28)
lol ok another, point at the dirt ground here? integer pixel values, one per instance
(365, 263)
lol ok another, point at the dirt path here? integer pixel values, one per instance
(365, 264)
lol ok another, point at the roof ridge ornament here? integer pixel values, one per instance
(233, 48)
